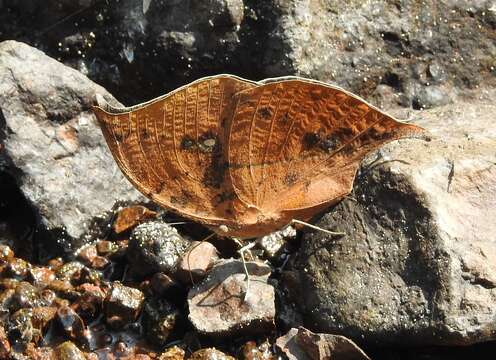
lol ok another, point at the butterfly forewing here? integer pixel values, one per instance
(171, 149)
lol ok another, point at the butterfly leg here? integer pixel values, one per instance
(241, 252)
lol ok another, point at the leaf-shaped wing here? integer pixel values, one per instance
(296, 144)
(171, 148)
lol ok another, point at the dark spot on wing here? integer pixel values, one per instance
(329, 144)
(284, 119)
(181, 199)
(315, 95)
(224, 196)
(160, 187)
(144, 133)
(374, 134)
(118, 135)
(343, 132)
(264, 112)
(213, 175)
(223, 123)
(310, 139)
(187, 143)
(290, 179)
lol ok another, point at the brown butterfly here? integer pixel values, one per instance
(245, 158)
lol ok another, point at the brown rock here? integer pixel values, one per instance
(5, 345)
(17, 268)
(39, 353)
(132, 216)
(40, 276)
(87, 253)
(196, 261)
(99, 262)
(219, 305)
(251, 351)
(302, 344)
(6, 254)
(209, 354)
(122, 305)
(105, 247)
(63, 288)
(42, 316)
(173, 353)
(68, 351)
(90, 302)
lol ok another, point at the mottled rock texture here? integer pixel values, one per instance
(423, 52)
(219, 305)
(52, 149)
(418, 262)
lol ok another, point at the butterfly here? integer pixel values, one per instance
(246, 158)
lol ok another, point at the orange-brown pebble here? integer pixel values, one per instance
(130, 217)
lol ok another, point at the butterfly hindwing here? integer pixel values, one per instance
(297, 144)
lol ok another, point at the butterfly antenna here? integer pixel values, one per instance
(191, 250)
(295, 221)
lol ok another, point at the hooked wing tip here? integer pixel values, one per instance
(107, 103)
(99, 101)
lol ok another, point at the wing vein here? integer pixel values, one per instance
(252, 175)
(196, 124)
(174, 138)
(290, 128)
(142, 150)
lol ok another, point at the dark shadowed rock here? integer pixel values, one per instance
(160, 320)
(52, 147)
(218, 307)
(417, 264)
(302, 344)
(154, 247)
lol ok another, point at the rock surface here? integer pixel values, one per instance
(122, 305)
(302, 344)
(196, 261)
(406, 46)
(52, 147)
(423, 51)
(155, 246)
(418, 263)
(218, 306)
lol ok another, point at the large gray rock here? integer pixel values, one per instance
(418, 262)
(424, 51)
(407, 46)
(51, 144)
